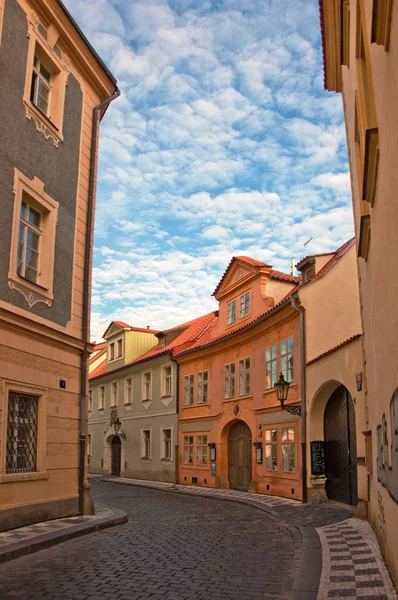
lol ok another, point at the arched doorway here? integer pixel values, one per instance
(340, 448)
(239, 456)
(116, 456)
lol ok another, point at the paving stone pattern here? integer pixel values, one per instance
(174, 547)
(352, 563)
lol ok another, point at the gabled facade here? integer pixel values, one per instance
(360, 42)
(54, 90)
(232, 432)
(135, 382)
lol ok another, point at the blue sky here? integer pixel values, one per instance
(223, 143)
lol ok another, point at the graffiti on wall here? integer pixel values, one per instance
(387, 462)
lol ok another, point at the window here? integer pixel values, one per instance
(114, 393)
(309, 273)
(101, 398)
(146, 443)
(33, 239)
(147, 385)
(188, 449)
(271, 450)
(244, 377)
(22, 433)
(231, 317)
(128, 397)
(381, 22)
(166, 444)
(119, 348)
(89, 445)
(203, 377)
(41, 87)
(271, 366)
(229, 376)
(112, 351)
(90, 400)
(162, 342)
(288, 450)
(167, 383)
(287, 359)
(189, 383)
(244, 305)
(201, 450)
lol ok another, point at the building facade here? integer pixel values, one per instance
(52, 82)
(232, 431)
(133, 384)
(360, 42)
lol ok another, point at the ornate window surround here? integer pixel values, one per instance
(43, 290)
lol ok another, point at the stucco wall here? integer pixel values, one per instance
(22, 146)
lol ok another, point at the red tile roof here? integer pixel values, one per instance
(194, 329)
(100, 349)
(283, 277)
(250, 261)
(348, 341)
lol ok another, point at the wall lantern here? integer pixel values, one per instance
(117, 425)
(282, 389)
(213, 452)
(259, 452)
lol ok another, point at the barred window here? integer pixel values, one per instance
(21, 447)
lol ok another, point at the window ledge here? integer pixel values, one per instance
(128, 404)
(167, 396)
(101, 410)
(34, 476)
(43, 124)
(146, 460)
(166, 461)
(114, 405)
(245, 397)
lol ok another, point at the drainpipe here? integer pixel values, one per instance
(176, 446)
(86, 294)
(300, 310)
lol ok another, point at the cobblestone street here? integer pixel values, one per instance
(174, 547)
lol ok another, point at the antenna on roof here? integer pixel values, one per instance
(305, 246)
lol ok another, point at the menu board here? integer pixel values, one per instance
(317, 458)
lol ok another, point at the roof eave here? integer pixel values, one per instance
(330, 20)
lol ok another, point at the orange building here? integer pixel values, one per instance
(232, 431)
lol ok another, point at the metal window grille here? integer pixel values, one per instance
(22, 421)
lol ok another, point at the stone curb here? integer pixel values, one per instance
(46, 540)
(306, 566)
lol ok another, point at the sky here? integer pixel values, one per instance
(222, 143)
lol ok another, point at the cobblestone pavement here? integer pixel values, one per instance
(352, 563)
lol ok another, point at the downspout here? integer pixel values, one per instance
(176, 446)
(86, 292)
(300, 310)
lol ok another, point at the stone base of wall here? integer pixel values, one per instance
(12, 518)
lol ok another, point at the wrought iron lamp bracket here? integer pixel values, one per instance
(294, 410)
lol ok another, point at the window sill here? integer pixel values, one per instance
(193, 466)
(245, 397)
(14, 477)
(114, 405)
(101, 410)
(189, 405)
(166, 461)
(146, 460)
(166, 396)
(43, 124)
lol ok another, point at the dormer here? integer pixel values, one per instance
(248, 289)
(126, 343)
(309, 266)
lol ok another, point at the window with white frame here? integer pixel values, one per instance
(271, 366)
(101, 398)
(188, 449)
(244, 376)
(288, 449)
(166, 444)
(119, 348)
(30, 232)
(112, 351)
(287, 348)
(128, 396)
(203, 378)
(147, 385)
(189, 391)
(90, 400)
(22, 433)
(115, 393)
(41, 86)
(201, 450)
(244, 305)
(231, 314)
(271, 450)
(146, 443)
(229, 380)
(167, 381)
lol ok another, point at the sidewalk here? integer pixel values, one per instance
(25, 540)
(337, 555)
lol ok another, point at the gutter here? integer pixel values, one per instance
(301, 311)
(86, 294)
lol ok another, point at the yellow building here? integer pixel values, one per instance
(54, 90)
(360, 43)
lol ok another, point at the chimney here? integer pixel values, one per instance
(293, 267)
(148, 326)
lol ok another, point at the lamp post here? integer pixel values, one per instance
(282, 390)
(117, 425)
